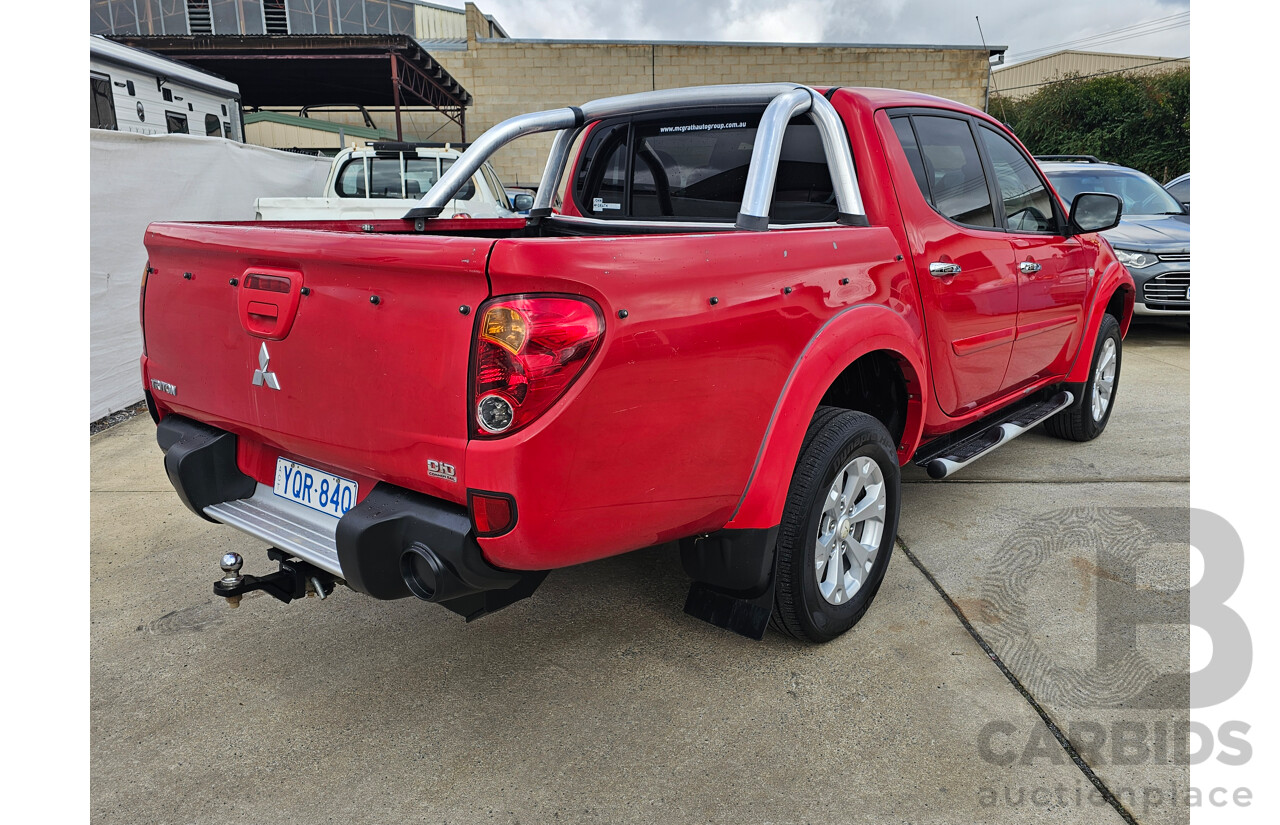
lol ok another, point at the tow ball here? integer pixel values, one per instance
(294, 580)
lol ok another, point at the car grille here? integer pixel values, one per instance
(1179, 257)
(1169, 290)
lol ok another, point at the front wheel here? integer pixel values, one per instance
(1088, 415)
(838, 526)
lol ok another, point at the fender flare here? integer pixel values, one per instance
(1114, 277)
(852, 333)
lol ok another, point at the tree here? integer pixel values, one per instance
(1143, 121)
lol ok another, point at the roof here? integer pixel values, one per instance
(886, 98)
(100, 48)
(992, 50)
(306, 69)
(1100, 168)
(318, 125)
(1120, 58)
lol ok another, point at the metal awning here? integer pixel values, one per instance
(320, 70)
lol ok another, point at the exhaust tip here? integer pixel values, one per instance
(422, 571)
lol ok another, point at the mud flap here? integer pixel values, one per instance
(733, 579)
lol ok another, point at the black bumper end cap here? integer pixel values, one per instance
(201, 464)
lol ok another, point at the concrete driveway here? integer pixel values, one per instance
(1020, 664)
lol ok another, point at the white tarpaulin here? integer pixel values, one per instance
(137, 179)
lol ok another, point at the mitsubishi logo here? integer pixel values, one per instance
(262, 375)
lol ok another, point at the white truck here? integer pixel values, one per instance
(386, 180)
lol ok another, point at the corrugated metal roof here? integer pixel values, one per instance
(444, 44)
(345, 67)
(1110, 56)
(318, 125)
(1021, 79)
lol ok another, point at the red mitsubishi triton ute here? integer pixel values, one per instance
(732, 315)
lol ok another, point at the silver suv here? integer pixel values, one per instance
(1153, 239)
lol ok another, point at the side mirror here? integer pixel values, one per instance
(1186, 207)
(522, 203)
(1094, 212)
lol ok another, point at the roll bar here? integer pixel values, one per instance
(782, 101)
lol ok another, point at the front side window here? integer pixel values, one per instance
(954, 170)
(495, 184)
(212, 126)
(176, 123)
(102, 104)
(1027, 206)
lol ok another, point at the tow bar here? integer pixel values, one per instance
(294, 580)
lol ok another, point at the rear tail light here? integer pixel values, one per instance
(529, 350)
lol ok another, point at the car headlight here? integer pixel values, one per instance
(1136, 260)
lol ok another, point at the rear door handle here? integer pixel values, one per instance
(1028, 267)
(941, 270)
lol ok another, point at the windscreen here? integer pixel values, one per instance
(1141, 194)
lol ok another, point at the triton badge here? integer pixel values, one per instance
(163, 386)
(262, 375)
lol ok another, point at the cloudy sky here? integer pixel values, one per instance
(1151, 27)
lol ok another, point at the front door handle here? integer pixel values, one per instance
(1028, 267)
(941, 270)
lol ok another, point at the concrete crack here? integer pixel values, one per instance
(1070, 749)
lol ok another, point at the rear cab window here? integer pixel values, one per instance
(695, 169)
(953, 170)
(385, 178)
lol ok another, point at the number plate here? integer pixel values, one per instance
(329, 494)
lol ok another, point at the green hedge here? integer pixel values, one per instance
(1143, 121)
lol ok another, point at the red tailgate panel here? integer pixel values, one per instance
(372, 374)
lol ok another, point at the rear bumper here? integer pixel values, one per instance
(364, 547)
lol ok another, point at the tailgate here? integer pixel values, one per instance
(367, 378)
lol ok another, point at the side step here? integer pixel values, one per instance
(968, 450)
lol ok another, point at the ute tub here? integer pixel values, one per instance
(658, 438)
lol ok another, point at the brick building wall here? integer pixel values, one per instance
(508, 77)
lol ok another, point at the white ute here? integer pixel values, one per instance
(385, 181)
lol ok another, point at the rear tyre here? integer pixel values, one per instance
(838, 525)
(1088, 415)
